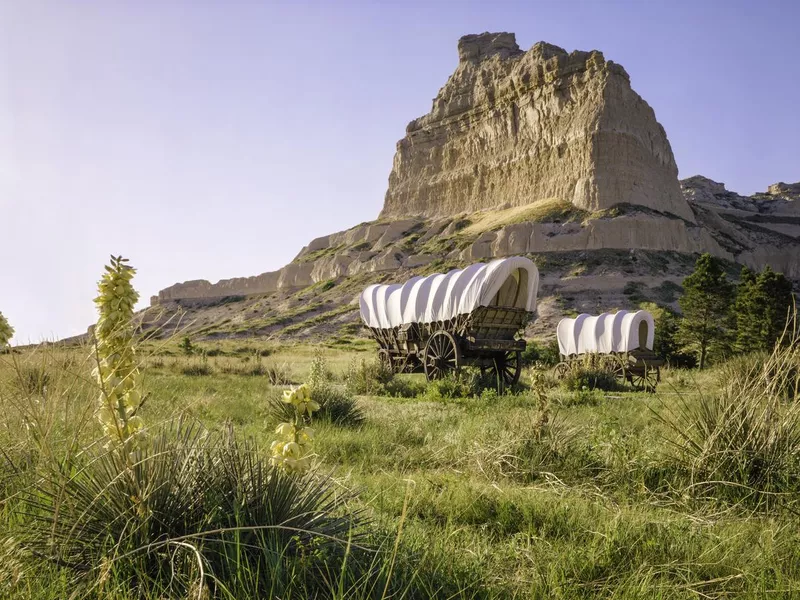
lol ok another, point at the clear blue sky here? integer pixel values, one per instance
(214, 139)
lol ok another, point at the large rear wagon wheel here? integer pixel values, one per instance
(505, 369)
(442, 356)
(646, 379)
(616, 366)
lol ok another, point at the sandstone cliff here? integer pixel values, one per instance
(541, 153)
(511, 127)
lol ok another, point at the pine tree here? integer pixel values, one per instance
(705, 305)
(775, 295)
(746, 312)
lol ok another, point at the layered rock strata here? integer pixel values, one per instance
(512, 127)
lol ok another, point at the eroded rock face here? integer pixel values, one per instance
(787, 190)
(512, 127)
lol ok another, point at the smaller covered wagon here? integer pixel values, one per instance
(439, 323)
(620, 342)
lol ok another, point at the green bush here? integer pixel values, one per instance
(368, 377)
(543, 354)
(404, 387)
(589, 378)
(196, 369)
(336, 405)
(449, 388)
(581, 397)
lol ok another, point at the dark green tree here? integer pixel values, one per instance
(763, 304)
(777, 301)
(746, 312)
(186, 345)
(705, 305)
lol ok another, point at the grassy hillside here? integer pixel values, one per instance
(543, 493)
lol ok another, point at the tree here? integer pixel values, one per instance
(186, 345)
(665, 343)
(763, 303)
(6, 332)
(745, 310)
(705, 305)
(777, 301)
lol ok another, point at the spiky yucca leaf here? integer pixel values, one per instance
(188, 488)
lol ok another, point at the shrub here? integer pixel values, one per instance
(590, 379)
(33, 380)
(6, 332)
(581, 397)
(744, 442)
(546, 355)
(403, 387)
(196, 369)
(336, 405)
(368, 377)
(191, 497)
(278, 374)
(186, 346)
(449, 388)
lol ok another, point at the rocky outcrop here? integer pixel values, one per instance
(786, 190)
(517, 131)
(512, 127)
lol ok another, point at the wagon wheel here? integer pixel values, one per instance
(616, 366)
(508, 365)
(441, 355)
(646, 379)
(561, 369)
(386, 359)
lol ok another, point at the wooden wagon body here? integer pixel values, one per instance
(441, 323)
(621, 343)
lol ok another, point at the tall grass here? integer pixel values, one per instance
(743, 443)
(196, 508)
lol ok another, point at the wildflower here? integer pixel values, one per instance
(300, 397)
(293, 449)
(116, 370)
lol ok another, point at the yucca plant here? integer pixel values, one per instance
(745, 441)
(193, 502)
(336, 405)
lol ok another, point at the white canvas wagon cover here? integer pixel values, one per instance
(618, 332)
(511, 282)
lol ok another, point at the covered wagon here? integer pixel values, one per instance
(620, 342)
(439, 323)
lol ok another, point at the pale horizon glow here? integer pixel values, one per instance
(207, 140)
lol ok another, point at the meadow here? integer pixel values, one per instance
(441, 490)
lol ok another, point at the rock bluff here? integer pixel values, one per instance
(512, 127)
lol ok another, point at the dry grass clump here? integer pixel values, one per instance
(743, 443)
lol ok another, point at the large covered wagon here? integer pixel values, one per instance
(620, 342)
(442, 322)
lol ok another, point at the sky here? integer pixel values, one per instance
(208, 140)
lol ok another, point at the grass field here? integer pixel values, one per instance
(569, 494)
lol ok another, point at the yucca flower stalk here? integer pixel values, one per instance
(115, 355)
(6, 331)
(294, 448)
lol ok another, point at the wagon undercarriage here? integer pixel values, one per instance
(640, 367)
(486, 338)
